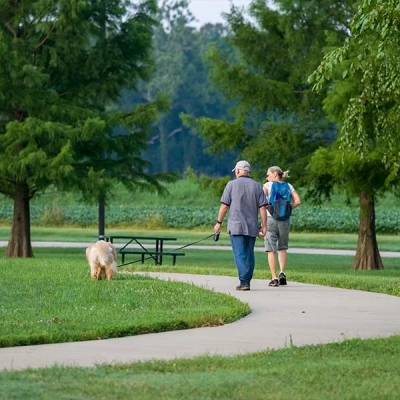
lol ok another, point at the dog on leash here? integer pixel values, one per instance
(102, 259)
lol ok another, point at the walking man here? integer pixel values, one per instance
(245, 200)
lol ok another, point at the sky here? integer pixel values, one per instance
(210, 10)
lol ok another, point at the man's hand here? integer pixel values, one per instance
(263, 232)
(217, 228)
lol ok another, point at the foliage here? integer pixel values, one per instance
(276, 118)
(214, 185)
(63, 67)
(76, 58)
(370, 82)
(181, 74)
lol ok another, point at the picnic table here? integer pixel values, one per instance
(145, 246)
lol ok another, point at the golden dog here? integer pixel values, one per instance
(102, 259)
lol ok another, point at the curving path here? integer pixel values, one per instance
(298, 314)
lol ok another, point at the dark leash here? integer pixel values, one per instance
(215, 236)
(191, 244)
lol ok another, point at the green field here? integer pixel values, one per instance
(188, 206)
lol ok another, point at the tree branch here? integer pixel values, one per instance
(9, 27)
(46, 38)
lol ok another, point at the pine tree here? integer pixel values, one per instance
(63, 64)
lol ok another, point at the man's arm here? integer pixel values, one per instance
(263, 215)
(221, 215)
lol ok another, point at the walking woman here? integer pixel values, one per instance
(276, 240)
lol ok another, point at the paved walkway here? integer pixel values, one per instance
(389, 254)
(298, 314)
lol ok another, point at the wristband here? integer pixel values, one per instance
(219, 222)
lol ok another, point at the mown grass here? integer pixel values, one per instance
(51, 299)
(353, 369)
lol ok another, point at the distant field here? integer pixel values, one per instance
(187, 206)
(187, 193)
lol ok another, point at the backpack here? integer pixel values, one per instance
(279, 205)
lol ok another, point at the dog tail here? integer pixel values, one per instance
(106, 254)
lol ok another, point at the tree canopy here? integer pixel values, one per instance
(181, 73)
(63, 66)
(276, 118)
(369, 57)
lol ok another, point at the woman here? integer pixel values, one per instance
(277, 238)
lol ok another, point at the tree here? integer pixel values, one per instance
(276, 118)
(63, 65)
(181, 74)
(364, 99)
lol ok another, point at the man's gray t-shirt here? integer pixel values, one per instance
(244, 197)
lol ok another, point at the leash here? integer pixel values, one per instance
(179, 248)
(191, 244)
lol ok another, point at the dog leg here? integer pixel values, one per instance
(109, 273)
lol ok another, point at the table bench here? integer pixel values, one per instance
(157, 256)
(141, 250)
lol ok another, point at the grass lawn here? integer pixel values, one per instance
(51, 299)
(353, 369)
(65, 304)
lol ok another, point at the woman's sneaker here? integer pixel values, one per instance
(282, 279)
(274, 282)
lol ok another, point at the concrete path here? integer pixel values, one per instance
(298, 314)
(259, 248)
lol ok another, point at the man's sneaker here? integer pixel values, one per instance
(274, 282)
(282, 279)
(243, 287)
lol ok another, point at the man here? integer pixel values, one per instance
(245, 199)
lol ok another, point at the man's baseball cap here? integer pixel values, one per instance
(243, 165)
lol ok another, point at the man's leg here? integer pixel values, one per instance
(250, 259)
(240, 257)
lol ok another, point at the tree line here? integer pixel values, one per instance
(98, 92)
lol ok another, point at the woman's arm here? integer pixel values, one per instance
(296, 201)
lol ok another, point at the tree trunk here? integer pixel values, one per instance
(19, 244)
(102, 217)
(163, 147)
(367, 254)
